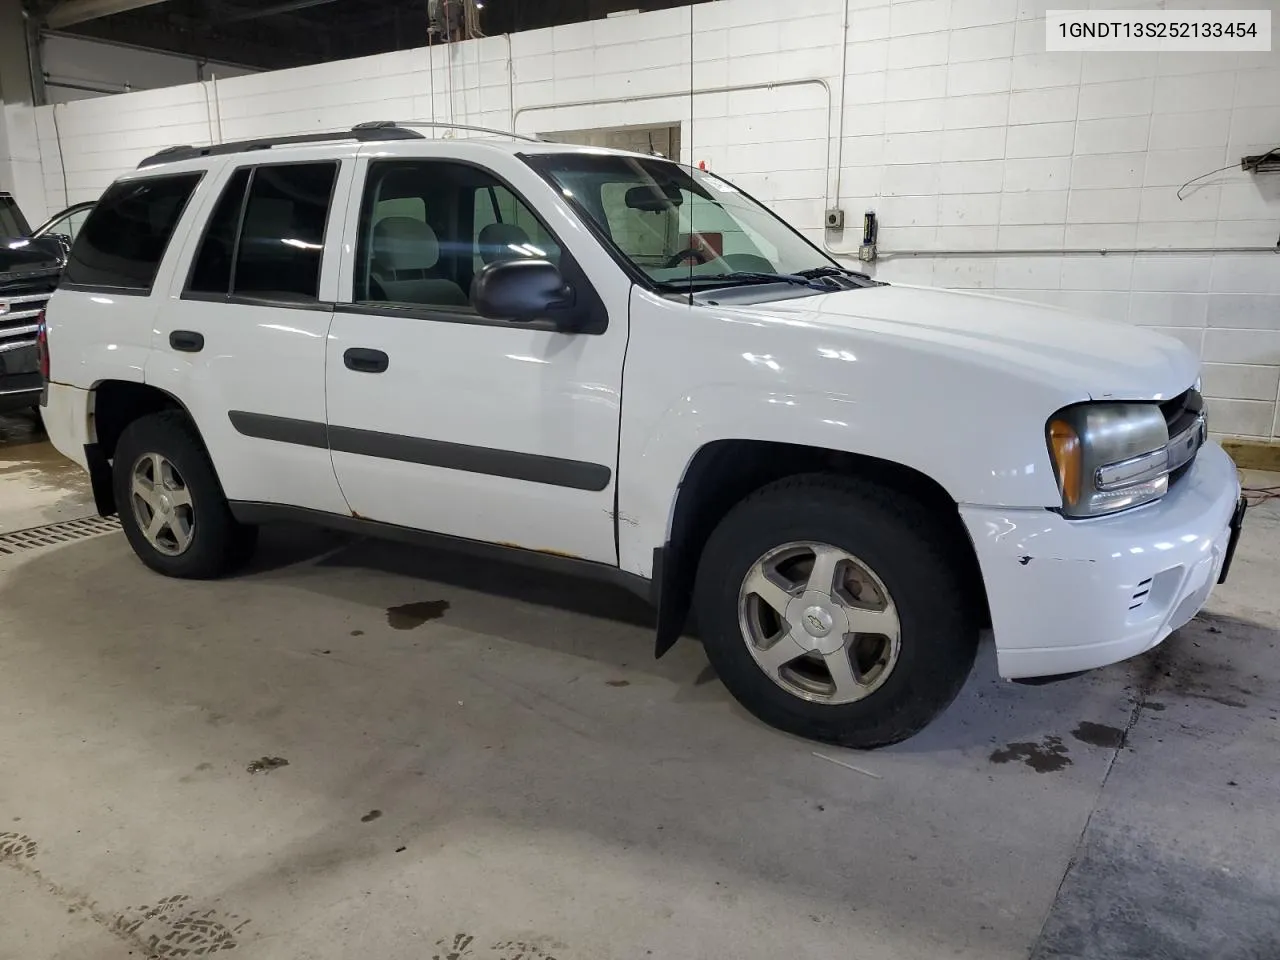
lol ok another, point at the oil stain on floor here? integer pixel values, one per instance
(1098, 734)
(267, 764)
(1044, 757)
(407, 616)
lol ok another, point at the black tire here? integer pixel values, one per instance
(896, 538)
(218, 543)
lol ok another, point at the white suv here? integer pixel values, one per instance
(617, 365)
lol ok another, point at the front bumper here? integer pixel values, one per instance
(1071, 595)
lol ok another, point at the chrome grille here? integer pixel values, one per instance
(22, 297)
(1182, 410)
(19, 317)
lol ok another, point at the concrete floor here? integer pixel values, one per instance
(358, 750)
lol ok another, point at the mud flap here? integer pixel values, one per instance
(104, 498)
(672, 593)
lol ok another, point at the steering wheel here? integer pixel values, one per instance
(676, 259)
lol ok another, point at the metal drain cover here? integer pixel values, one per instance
(53, 534)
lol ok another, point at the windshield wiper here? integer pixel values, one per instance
(744, 278)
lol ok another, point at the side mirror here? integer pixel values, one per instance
(521, 290)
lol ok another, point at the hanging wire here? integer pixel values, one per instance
(1230, 166)
(1257, 495)
(62, 157)
(431, 63)
(448, 61)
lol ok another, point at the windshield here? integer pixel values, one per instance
(683, 228)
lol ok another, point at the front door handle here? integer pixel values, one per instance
(187, 341)
(364, 360)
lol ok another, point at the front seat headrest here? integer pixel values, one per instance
(403, 243)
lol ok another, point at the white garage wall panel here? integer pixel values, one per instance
(983, 155)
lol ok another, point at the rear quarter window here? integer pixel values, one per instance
(122, 243)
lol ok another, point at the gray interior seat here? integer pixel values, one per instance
(405, 250)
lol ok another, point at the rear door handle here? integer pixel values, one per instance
(187, 341)
(364, 360)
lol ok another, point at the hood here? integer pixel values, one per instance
(26, 255)
(1095, 358)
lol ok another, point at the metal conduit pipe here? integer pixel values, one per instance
(511, 82)
(844, 78)
(86, 85)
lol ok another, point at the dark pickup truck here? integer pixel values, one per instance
(30, 264)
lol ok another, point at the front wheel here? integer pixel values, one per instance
(831, 610)
(171, 504)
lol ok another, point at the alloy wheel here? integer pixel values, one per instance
(819, 622)
(162, 505)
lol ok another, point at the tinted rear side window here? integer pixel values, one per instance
(122, 243)
(282, 235)
(212, 270)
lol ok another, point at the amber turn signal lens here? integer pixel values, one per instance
(1065, 444)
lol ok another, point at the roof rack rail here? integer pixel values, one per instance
(363, 132)
(443, 125)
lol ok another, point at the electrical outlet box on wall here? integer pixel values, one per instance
(1262, 163)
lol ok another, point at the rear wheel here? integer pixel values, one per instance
(170, 502)
(831, 610)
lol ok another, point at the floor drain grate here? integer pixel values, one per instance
(53, 534)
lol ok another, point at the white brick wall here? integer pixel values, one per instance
(958, 129)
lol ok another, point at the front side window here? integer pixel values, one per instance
(427, 227)
(125, 237)
(682, 228)
(265, 237)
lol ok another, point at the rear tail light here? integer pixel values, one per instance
(42, 348)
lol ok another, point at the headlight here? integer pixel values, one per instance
(1109, 456)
